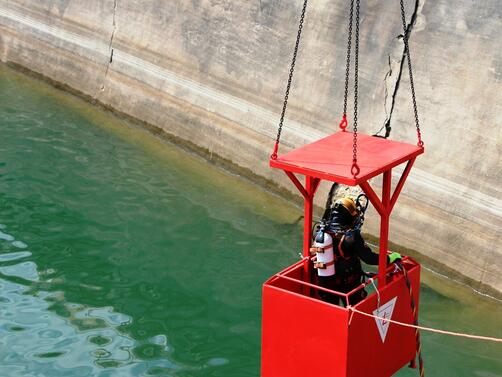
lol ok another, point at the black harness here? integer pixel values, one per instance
(348, 270)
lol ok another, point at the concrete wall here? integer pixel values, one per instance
(214, 71)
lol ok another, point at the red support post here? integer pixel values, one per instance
(384, 228)
(311, 185)
(307, 234)
(308, 193)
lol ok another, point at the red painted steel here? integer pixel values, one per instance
(311, 187)
(331, 158)
(294, 320)
(292, 339)
(304, 336)
(384, 227)
(400, 184)
(366, 353)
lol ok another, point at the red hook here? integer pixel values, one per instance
(343, 123)
(419, 137)
(273, 156)
(355, 170)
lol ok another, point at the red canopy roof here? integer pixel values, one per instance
(331, 158)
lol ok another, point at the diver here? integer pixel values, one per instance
(340, 248)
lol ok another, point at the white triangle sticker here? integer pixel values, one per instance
(385, 312)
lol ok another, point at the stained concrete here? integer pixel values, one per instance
(213, 72)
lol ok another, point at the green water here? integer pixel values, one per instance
(121, 255)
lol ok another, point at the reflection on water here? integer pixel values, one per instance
(46, 333)
(120, 255)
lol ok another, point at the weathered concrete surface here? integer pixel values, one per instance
(214, 71)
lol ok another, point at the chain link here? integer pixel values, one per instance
(347, 69)
(290, 80)
(355, 168)
(406, 32)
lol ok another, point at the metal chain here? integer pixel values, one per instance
(290, 80)
(355, 168)
(343, 123)
(412, 85)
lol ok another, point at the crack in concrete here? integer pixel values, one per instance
(110, 46)
(388, 118)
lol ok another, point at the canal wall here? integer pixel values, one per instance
(213, 72)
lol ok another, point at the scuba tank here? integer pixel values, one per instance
(323, 248)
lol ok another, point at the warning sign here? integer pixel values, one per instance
(384, 312)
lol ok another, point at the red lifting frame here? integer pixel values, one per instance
(331, 159)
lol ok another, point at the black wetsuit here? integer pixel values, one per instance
(349, 250)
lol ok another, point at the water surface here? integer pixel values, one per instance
(122, 255)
